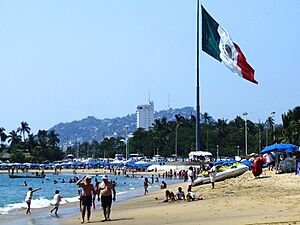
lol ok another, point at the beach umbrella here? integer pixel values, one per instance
(3, 164)
(289, 148)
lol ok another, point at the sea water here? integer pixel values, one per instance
(12, 191)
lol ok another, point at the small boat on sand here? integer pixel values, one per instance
(223, 172)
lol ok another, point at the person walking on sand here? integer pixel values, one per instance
(56, 199)
(29, 197)
(146, 185)
(108, 194)
(87, 198)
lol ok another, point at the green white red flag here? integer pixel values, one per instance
(217, 42)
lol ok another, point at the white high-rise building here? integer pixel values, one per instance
(145, 115)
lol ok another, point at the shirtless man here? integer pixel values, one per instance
(107, 193)
(87, 198)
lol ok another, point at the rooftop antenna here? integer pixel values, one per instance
(149, 97)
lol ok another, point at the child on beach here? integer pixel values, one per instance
(29, 197)
(180, 194)
(57, 199)
(169, 196)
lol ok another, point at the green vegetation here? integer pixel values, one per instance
(34, 148)
(229, 136)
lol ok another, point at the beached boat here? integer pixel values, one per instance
(25, 176)
(223, 173)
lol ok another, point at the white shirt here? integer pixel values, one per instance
(190, 177)
(57, 198)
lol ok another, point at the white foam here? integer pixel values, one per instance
(35, 204)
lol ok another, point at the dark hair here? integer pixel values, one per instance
(190, 168)
(57, 192)
(30, 189)
(211, 165)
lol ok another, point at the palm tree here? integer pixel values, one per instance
(53, 139)
(3, 136)
(42, 138)
(31, 142)
(291, 126)
(207, 118)
(14, 138)
(269, 125)
(24, 129)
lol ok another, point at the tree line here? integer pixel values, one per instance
(228, 137)
(25, 146)
(164, 138)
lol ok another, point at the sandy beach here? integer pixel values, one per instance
(271, 199)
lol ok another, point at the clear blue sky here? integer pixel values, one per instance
(65, 60)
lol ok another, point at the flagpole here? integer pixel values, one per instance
(197, 87)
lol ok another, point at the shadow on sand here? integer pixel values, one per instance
(117, 219)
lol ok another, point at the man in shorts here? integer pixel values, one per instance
(87, 198)
(108, 194)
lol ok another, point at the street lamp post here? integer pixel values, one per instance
(246, 144)
(238, 150)
(126, 138)
(217, 152)
(176, 147)
(273, 116)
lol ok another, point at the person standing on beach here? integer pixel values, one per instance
(190, 178)
(29, 197)
(57, 199)
(212, 174)
(108, 194)
(87, 198)
(146, 185)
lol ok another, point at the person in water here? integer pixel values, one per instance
(29, 197)
(87, 196)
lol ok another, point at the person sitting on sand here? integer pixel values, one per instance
(169, 196)
(180, 194)
(163, 185)
(191, 196)
(29, 197)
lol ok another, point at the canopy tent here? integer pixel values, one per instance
(289, 148)
(196, 155)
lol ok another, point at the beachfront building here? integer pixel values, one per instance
(145, 115)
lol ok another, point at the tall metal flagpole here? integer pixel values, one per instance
(197, 87)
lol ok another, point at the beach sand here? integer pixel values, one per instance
(271, 199)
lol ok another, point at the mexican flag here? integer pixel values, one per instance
(217, 43)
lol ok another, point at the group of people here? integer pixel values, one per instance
(212, 170)
(180, 195)
(104, 191)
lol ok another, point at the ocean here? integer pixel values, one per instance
(12, 201)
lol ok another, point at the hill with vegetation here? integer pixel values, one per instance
(91, 128)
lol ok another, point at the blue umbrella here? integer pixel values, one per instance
(289, 148)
